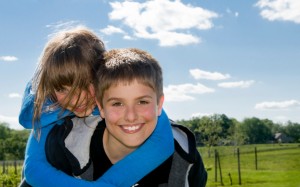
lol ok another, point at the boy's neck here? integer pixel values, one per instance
(114, 150)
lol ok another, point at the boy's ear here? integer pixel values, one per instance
(102, 114)
(160, 104)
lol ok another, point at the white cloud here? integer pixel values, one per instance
(12, 121)
(200, 74)
(281, 119)
(228, 11)
(109, 30)
(201, 114)
(14, 95)
(167, 39)
(238, 84)
(127, 37)
(184, 92)
(64, 25)
(284, 10)
(236, 14)
(163, 20)
(8, 58)
(277, 105)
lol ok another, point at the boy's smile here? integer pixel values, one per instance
(130, 111)
(131, 128)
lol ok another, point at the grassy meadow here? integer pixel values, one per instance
(277, 165)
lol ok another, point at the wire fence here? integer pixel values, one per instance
(245, 158)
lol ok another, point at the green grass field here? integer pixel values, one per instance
(277, 165)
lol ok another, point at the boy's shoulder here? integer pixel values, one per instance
(185, 142)
(187, 165)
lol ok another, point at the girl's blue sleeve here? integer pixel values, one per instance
(39, 173)
(160, 145)
(47, 117)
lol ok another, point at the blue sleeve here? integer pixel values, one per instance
(160, 145)
(27, 106)
(39, 173)
(49, 116)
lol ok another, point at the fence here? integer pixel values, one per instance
(250, 157)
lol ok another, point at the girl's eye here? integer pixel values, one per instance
(62, 90)
(59, 90)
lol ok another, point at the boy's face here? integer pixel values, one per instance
(131, 112)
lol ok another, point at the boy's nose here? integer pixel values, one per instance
(130, 114)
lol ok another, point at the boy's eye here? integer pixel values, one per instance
(117, 104)
(143, 102)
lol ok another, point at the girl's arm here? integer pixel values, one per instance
(126, 172)
(39, 173)
(47, 117)
(151, 154)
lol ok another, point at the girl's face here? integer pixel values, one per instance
(82, 103)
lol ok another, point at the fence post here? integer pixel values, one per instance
(255, 152)
(3, 167)
(216, 168)
(239, 166)
(15, 165)
(230, 178)
(221, 178)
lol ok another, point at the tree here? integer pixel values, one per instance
(4, 131)
(237, 136)
(292, 130)
(12, 142)
(210, 131)
(4, 134)
(256, 130)
(194, 125)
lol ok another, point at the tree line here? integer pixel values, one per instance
(209, 131)
(218, 129)
(12, 142)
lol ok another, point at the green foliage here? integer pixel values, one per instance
(10, 179)
(12, 143)
(256, 130)
(293, 131)
(4, 131)
(220, 130)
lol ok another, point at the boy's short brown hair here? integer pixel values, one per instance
(125, 66)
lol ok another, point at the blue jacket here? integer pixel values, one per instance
(39, 173)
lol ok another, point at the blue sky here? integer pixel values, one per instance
(233, 57)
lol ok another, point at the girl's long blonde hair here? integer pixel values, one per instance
(70, 58)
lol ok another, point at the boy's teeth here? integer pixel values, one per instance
(131, 128)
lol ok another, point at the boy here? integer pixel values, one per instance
(129, 94)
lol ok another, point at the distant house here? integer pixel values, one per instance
(282, 138)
